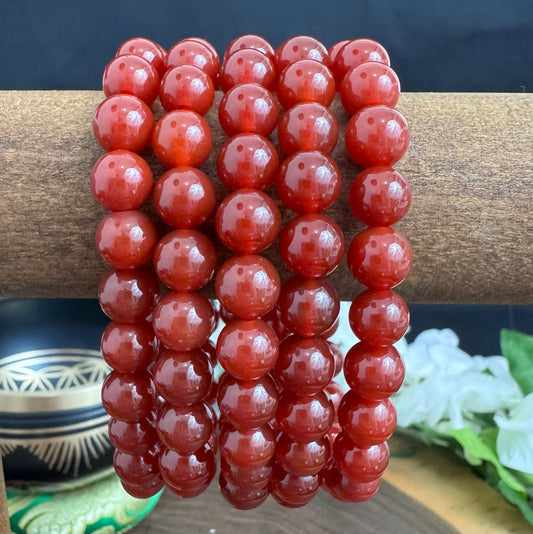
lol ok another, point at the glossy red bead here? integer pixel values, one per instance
(377, 135)
(308, 126)
(184, 428)
(305, 418)
(132, 438)
(379, 317)
(294, 491)
(250, 448)
(247, 221)
(121, 181)
(128, 296)
(123, 122)
(247, 160)
(362, 464)
(308, 182)
(336, 352)
(208, 45)
(356, 52)
(305, 365)
(346, 489)
(184, 197)
(183, 378)
(379, 257)
(366, 422)
(193, 52)
(182, 138)
(152, 52)
(333, 53)
(247, 65)
(247, 349)
(138, 469)
(248, 107)
(247, 286)
(374, 373)
(302, 458)
(131, 75)
(272, 318)
(251, 478)
(247, 403)
(243, 497)
(144, 491)
(185, 260)
(128, 348)
(335, 393)
(311, 245)
(369, 84)
(305, 80)
(187, 87)
(183, 321)
(128, 397)
(308, 307)
(250, 41)
(300, 47)
(380, 196)
(126, 239)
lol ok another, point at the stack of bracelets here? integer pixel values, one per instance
(282, 425)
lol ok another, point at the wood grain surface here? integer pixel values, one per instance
(470, 165)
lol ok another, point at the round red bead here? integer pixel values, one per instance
(144, 491)
(209, 46)
(252, 478)
(152, 52)
(300, 47)
(335, 350)
(248, 107)
(308, 182)
(250, 448)
(377, 135)
(293, 491)
(184, 197)
(121, 180)
(123, 122)
(333, 53)
(243, 497)
(137, 469)
(193, 52)
(379, 317)
(250, 41)
(346, 489)
(356, 52)
(308, 126)
(335, 393)
(182, 138)
(302, 458)
(132, 438)
(247, 65)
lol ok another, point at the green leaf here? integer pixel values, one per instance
(515, 498)
(477, 450)
(517, 348)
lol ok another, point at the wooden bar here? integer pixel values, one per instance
(470, 165)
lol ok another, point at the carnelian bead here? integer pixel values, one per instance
(346, 489)
(272, 319)
(305, 365)
(247, 160)
(333, 53)
(362, 464)
(311, 245)
(247, 221)
(183, 377)
(305, 418)
(308, 126)
(250, 448)
(182, 138)
(379, 257)
(243, 497)
(184, 428)
(305, 81)
(247, 286)
(293, 491)
(128, 397)
(128, 348)
(374, 373)
(250, 41)
(187, 87)
(210, 349)
(247, 403)
(247, 65)
(248, 107)
(131, 75)
(302, 458)
(132, 438)
(377, 135)
(137, 469)
(247, 349)
(379, 317)
(369, 84)
(123, 122)
(144, 491)
(380, 196)
(356, 52)
(193, 52)
(366, 422)
(185, 260)
(121, 180)
(308, 307)
(184, 197)
(308, 182)
(128, 296)
(126, 239)
(208, 44)
(301, 47)
(252, 478)
(152, 52)
(183, 321)
(335, 393)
